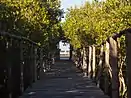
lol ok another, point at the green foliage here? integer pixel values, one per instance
(35, 19)
(94, 22)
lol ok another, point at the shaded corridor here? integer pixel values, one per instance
(64, 81)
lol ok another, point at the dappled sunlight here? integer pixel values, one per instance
(86, 56)
(65, 83)
(75, 91)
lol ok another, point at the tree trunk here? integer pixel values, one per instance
(128, 62)
(114, 66)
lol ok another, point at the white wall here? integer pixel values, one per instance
(62, 47)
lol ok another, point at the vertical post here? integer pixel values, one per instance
(81, 59)
(93, 61)
(4, 90)
(77, 58)
(21, 67)
(107, 67)
(41, 61)
(99, 66)
(35, 63)
(9, 65)
(71, 50)
(122, 86)
(114, 66)
(89, 63)
(32, 62)
(84, 66)
(128, 62)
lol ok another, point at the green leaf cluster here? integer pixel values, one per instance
(38, 20)
(94, 22)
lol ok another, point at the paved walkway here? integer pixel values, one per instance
(64, 81)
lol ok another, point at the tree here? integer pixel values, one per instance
(34, 19)
(93, 23)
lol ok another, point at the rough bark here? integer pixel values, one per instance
(114, 66)
(128, 62)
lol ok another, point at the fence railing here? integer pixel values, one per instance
(22, 62)
(109, 64)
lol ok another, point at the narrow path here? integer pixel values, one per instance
(64, 81)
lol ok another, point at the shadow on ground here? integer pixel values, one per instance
(64, 81)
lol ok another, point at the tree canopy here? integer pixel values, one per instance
(38, 20)
(94, 22)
